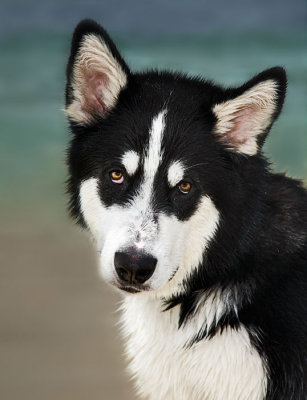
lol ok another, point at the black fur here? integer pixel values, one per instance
(259, 252)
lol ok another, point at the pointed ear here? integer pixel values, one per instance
(96, 74)
(246, 115)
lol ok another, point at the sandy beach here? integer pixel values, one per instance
(58, 338)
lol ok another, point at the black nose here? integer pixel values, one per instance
(134, 267)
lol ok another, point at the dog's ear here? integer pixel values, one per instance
(246, 115)
(96, 73)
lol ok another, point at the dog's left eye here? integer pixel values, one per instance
(117, 176)
(184, 187)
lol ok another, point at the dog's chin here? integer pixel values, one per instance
(132, 289)
(129, 289)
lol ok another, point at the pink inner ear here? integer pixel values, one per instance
(93, 93)
(243, 125)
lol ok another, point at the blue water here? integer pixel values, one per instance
(33, 128)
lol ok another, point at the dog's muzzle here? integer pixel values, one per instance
(133, 269)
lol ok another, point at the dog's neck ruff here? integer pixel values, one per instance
(225, 366)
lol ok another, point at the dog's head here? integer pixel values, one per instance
(158, 161)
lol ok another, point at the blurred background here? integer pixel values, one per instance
(58, 333)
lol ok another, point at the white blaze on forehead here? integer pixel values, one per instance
(130, 161)
(175, 173)
(152, 158)
(154, 152)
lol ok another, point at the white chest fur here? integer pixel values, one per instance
(226, 367)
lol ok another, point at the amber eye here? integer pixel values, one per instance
(184, 187)
(117, 176)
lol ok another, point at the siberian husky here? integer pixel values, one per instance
(207, 244)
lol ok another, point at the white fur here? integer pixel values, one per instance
(175, 173)
(96, 73)
(226, 367)
(130, 161)
(209, 310)
(154, 152)
(242, 119)
(91, 207)
(193, 238)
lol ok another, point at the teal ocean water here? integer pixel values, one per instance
(33, 130)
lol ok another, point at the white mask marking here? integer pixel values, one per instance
(130, 161)
(175, 173)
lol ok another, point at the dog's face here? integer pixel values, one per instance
(154, 159)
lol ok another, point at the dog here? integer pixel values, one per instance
(206, 243)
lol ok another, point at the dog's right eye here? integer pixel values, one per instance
(184, 187)
(117, 176)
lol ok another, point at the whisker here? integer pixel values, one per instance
(195, 165)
